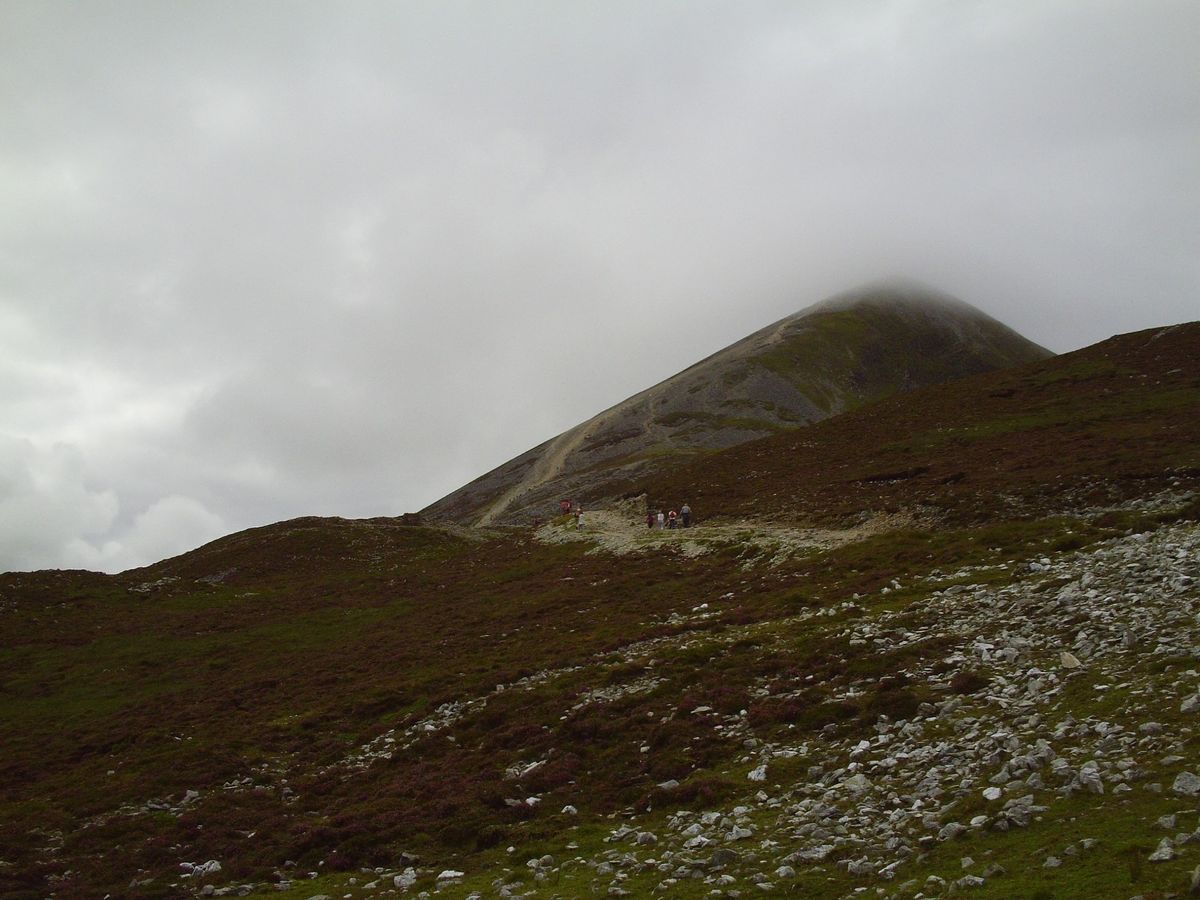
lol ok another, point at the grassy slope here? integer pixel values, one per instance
(1110, 420)
(276, 653)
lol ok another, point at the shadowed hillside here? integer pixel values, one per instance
(945, 641)
(817, 363)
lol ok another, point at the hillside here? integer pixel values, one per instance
(831, 357)
(944, 642)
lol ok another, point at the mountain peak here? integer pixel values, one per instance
(853, 348)
(894, 290)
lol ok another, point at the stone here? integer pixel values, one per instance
(1090, 779)
(406, 879)
(857, 784)
(1186, 785)
(1069, 660)
(450, 875)
(992, 793)
(1052, 862)
(1191, 704)
(569, 810)
(951, 830)
(759, 773)
(861, 866)
(723, 857)
(1165, 851)
(1167, 822)
(819, 853)
(646, 838)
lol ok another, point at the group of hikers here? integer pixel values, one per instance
(654, 518)
(671, 519)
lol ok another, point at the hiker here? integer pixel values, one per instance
(660, 520)
(672, 516)
(650, 518)
(579, 520)
(686, 514)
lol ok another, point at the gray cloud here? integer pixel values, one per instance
(271, 259)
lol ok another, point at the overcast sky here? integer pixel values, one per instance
(269, 259)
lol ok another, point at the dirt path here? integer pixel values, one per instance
(548, 467)
(623, 530)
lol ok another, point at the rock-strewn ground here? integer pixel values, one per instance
(1061, 709)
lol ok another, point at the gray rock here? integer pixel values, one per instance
(1165, 851)
(1090, 779)
(951, 830)
(820, 853)
(862, 866)
(724, 857)
(857, 783)
(1186, 785)
(406, 879)
(1052, 862)
(1191, 704)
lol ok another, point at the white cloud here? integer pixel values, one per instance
(168, 527)
(46, 503)
(321, 259)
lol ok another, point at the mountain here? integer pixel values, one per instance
(944, 642)
(831, 357)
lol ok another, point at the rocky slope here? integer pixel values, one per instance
(814, 364)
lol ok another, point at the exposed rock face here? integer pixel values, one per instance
(853, 348)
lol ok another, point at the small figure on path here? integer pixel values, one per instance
(579, 520)
(660, 520)
(672, 518)
(649, 518)
(686, 514)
